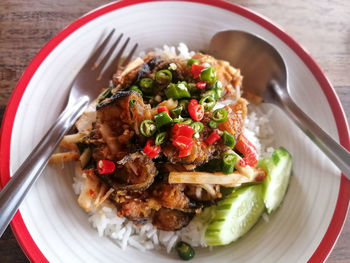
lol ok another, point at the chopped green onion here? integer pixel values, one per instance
(136, 88)
(105, 94)
(213, 124)
(220, 115)
(163, 77)
(183, 120)
(162, 119)
(197, 126)
(228, 163)
(208, 103)
(146, 85)
(192, 61)
(148, 128)
(208, 74)
(160, 138)
(177, 91)
(175, 113)
(229, 140)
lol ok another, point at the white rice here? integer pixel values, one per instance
(146, 237)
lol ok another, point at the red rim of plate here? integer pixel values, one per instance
(22, 234)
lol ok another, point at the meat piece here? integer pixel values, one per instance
(125, 110)
(124, 77)
(135, 209)
(134, 172)
(236, 115)
(170, 196)
(170, 220)
(200, 153)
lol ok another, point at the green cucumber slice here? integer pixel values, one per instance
(235, 215)
(278, 168)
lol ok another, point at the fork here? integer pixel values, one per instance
(93, 76)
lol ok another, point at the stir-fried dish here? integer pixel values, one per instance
(165, 138)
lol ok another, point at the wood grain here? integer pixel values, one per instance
(321, 26)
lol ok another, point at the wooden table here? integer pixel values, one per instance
(321, 26)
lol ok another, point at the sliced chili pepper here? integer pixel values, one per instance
(213, 137)
(162, 120)
(228, 163)
(186, 152)
(160, 138)
(197, 126)
(201, 85)
(177, 91)
(250, 154)
(163, 76)
(229, 139)
(196, 70)
(150, 149)
(208, 74)
(220, 115)
(208, 102)
(213, 124)
(183, 143)
(181, 130)
(175, 113)
(195, 110)
(163, 108)
(192, 61)
(148, 128)
(105, 167)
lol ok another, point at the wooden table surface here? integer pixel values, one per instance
(321, 26)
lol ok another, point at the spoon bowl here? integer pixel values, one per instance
(265, 74)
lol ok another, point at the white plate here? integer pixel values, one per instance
(51, 226)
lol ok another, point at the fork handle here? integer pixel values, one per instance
(333, 150)
(17, 187)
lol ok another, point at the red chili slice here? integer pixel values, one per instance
(195, 110)
(196, 70)
(105, 167)
(213, 137)
(186, 152)
(182, 130)
(250, 154)
(201, 85)
(163, 108)
(150, 149)
(183, 143)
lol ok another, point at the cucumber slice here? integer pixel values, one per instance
(278, 168)
(235, 215)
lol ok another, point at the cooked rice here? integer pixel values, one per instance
(146, 237)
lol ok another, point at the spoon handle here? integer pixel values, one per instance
(335, 152)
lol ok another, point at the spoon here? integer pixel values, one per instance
(265, 74)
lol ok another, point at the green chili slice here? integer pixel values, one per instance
(175, 113)
(208, 75)
(160, 138)
(197, 126)
(163, 76)
(148, 128)
(162, 119)
(220, 115)
(192, 61)
(136, 88)
(229, 140)
(146, 85)
(228, 163)
(177, 91)
(213, 124)
(184, 105)
(218, 89)
(208, 93)
(208, 103)
(184, 250)
(183, 120)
